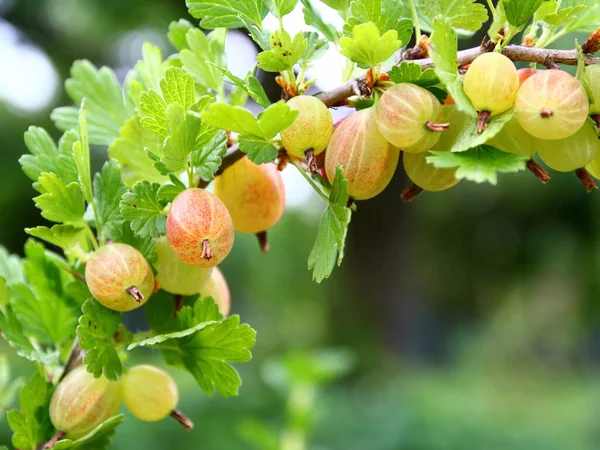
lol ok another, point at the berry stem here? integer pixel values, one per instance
(75, 274)
(411, 192)
(183, 420)
(57, 437)
(587, 181)
(311, 161)
(206, 250)
(437, 127)
(263, 241)
(178, 304)
(135, 293)
(482, 121)
(538, 171)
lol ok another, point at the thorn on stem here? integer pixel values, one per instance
(57, 437)
(183, 420)
(206, 250)
(546, 113)
(135, 293)
(538, 171)
(437, 127)
(263, 241)
(586, 179)
(411, 192)
(482, 121)
(311, 161)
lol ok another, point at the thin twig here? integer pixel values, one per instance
(74, 359)
(513, 52)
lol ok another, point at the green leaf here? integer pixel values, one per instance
(518, 12)
(329, 245)
(250, 85)
(96, 331)
(276, 118)
(284, 52)
(208, 350)
(280, 8)
(11, 269)
(386, 14)
(444, 55)
(177, 87)
(108, 191)
(469, 137)
(31, 425)
(81, 155)
(464, 16)
(177, 34)
(259, 152)
(479, 164)
(165, 337)
(125, 235)
(168, 192)
(44, 307)
(107, 109)
(73, 240)
(154, 110)
(588, 17)
(227, 13)
(128, 150)
(205, 49)
(183, 131)
(150, 70)
(409, 72)
(367, 46)
(315, 47)
(207, 159)
(144, 209)
(97, 439)
(60, 202)
(232, 118)
(313, 18)
(46, 157)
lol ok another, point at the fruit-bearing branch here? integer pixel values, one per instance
(513, 52)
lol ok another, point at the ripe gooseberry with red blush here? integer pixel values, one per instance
(119, 277)
(199, 228)
(217, 288)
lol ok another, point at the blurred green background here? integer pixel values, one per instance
(464, 320)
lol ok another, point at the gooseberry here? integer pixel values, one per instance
(175, 276)
(552, 105)
(253, 194)
(368, 160)
(199, 228)
(409, 117)
(119, 277)
(525, 73)
(151, 394)
(311, 131)
(491, 83)
(592, 76)
(81, 402)
(572, 153)
(217, 288)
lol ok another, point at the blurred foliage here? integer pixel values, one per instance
(466, 320)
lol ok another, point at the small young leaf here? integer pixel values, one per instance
(177, 34)
(284, 52)
(150, 70)
(205, 49)
(367, 46)
(445, 47)
(386, 14)
(315, 47)
(464, 16)
(410, 72)
(232, 118)
(227, 13)
(183, 132)
(96, 331)
(259, 152)
(31, 425)
(144, 208)
(280, 8)
(60, 202)
(207, 159)
(479, 164)
(329, 245)
(250, 85)
(11, 269)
